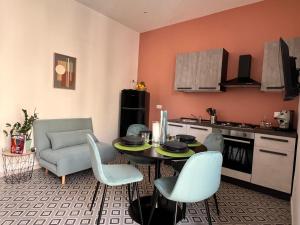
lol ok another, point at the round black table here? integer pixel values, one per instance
(164, 212)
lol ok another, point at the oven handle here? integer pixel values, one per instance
(236, 140)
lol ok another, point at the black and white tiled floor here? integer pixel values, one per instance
(43, 201)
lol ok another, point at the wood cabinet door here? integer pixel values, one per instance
(209, 70)
(273, 168)
(185, 71)
(200, 132)
(272, 76)
(176, 128)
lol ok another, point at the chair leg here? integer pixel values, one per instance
(207, 212)
(175, 214)
(46, 171)
(217, 206)
(139, 203)
(102, 204)
(149, 173)
(183, 210)
(129, 193)
(95, 194)
(154, 200)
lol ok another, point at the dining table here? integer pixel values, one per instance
(164, 211)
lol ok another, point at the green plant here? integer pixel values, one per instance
(25, 128)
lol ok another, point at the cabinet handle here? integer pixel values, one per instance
(184, 88)
(199, 128)
(208, 88)
(174, 125)
(271, 152)
(274, 139)
(275, 88)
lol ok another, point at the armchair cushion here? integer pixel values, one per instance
(68, 138)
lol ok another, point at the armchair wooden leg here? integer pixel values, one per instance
(207, 212)
(63, 180)
(95, 194)
(46, 171)
(217, 206)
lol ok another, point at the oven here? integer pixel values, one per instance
(238, 150)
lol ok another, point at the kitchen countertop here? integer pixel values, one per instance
(257, 129)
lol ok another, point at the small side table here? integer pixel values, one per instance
(17, 167)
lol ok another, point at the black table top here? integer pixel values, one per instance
(152, 154)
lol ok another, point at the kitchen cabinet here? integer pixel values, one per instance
(272, 77)
(273, 160)
(201, 71)
(200, 132)
(176, 128)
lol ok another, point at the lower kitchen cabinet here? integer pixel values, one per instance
(273, 161)
(200, 132)
(176, 128)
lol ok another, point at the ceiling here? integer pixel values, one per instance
(145, 15)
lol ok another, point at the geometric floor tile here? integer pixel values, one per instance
(43, 201)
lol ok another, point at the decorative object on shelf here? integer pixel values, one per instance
(17, 167)
(17, 130)
(140, 86)
(213, 115)
(64, 74)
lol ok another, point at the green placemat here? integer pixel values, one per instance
(134, 149)
(197, 144)
(179, 155)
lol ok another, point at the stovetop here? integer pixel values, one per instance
(235, 125)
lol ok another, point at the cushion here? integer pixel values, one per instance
(68, 138)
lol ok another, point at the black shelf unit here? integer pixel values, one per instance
(134, 109)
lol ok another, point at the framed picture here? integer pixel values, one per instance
(64, 74)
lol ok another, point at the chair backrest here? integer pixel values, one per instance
(96, 160)
(135, 129)
(199, 178)
(214, 142)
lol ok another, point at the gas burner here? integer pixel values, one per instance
(236, 125)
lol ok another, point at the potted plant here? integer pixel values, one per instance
(22, 129)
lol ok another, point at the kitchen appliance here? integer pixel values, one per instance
(284, 119)
(238, 149)
(243, 78)
(134, 109)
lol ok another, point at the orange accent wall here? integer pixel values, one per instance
(242, 30)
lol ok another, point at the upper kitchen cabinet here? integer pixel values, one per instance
(201, 71)
(272, 77)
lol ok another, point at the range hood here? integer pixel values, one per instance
(243, 78)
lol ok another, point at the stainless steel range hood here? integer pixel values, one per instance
(243, 78)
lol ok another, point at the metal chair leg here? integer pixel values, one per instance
(139, 203)
(175, 214)
(154, 200)
(149, 173)
(183, 210)
(95, 194)
(129, 194)
(207, 212)
(217, 206)
(102, 204)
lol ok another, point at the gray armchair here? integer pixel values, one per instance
(61, 145)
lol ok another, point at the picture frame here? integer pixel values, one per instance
(64, 71)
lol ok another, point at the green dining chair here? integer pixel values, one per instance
(198, 180)
(135, 130)
(112, 175)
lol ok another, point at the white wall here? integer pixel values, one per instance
(106, 51)
(296, 189)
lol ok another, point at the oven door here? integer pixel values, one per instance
(238, 153)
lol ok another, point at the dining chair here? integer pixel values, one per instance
(112, 175)
(135, 130)
(213, 142)
(184, 188)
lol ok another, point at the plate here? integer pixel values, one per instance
(175, 147)
(188, 139)
(131, 141)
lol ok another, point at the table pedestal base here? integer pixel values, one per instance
(163, 214)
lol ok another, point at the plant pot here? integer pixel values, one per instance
(28, 144)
